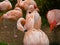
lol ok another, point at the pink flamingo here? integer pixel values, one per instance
(37, 18)
(5, 5)
(53, 17)
(12, 14)
(25, 4)
(32, 36)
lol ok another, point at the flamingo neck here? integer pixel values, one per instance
(6, 0)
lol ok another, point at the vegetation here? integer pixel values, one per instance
(3, 43)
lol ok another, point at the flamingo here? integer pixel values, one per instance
(12, 14)
(32, 36)
(25, 4)
(53, 17)
(5, 5)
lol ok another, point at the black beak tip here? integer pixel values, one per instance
(25, 30)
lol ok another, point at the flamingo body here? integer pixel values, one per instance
(5, 5)
(35, 37)
(32, 36)
(13, 14)
(26, 3)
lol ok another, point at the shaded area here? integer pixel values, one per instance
(9, 33)
(54, 36)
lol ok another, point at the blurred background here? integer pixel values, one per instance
(7, 34)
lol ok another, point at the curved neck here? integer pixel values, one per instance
(20, 24)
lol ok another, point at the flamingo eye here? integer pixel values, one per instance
(29, 12)
(22, 0)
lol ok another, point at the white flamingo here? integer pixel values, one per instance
(5, 5)
(32, 36)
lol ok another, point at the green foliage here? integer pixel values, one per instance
(13, 2)
(45, 5)
(2, 12)
(3, 43)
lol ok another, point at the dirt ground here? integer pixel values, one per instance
(12, 36)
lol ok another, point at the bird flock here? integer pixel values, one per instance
(31, 25)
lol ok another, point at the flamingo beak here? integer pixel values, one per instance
(25, 30)
(52, 25)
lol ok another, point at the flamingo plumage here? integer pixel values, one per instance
(32, 12)
(14, 14)
(26, 3)
(53, 17)
(5, 5)
(32, 36)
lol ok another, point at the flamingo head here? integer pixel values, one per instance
(30, 9)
